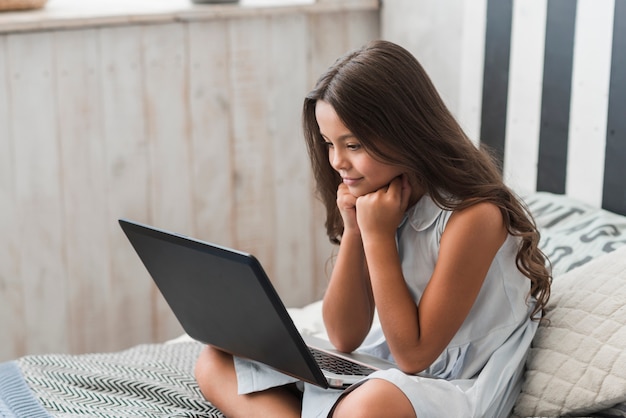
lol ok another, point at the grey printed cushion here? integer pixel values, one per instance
(574, 233)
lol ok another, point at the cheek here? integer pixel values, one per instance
(379, 174)
(385, 173)
(382, 177)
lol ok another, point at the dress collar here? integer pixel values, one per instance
(423, 214)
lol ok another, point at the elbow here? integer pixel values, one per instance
(345, 339)
(410, 368)
(343, 345)
(411, 364)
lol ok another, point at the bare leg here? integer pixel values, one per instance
(374, 398)
(216, 377)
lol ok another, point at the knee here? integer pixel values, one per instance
(374, 398)
(353, 407)
(213, 368)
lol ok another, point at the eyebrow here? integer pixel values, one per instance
(341, 137)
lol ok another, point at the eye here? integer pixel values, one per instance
(327, 144)
(353, 146)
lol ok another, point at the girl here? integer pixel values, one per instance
(429, 237)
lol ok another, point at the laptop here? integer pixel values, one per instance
(223, 297)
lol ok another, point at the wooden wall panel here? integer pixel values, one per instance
(38, 198)
(356, 24)
(127, 153)
(83, 181)
(211, 131)
(190, 126)
(326, 44)
(167, 132)
(252, 152)
(293, 196)
(12, 315)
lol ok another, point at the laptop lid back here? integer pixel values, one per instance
(223, 297)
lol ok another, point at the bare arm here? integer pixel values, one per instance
(418, 334)
(348, 303)
(348, 307)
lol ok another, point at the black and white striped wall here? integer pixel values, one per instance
(554, 96)
(543, 82)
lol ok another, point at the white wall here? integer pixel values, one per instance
(447, 37)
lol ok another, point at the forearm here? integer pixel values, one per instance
(397, 310)
(348, 303)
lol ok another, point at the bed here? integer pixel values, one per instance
(156, 380)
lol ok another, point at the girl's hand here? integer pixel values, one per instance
(379, 213)
(346, 202)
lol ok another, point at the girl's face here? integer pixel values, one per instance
(359, 170)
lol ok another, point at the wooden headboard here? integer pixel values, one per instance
(554, 96)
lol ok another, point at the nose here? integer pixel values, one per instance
(338, 160)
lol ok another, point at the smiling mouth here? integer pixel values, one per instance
(350, 181)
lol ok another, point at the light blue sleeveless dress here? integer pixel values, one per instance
(480, 371)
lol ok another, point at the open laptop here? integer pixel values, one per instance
(222, 297)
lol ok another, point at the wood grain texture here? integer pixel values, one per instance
(192, 126)
(12, 329)
(38, 194)
(82, 178)
(167, 132)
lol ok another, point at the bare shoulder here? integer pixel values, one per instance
(484, 213)
(483, 219)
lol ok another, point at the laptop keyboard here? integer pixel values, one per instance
(339, 365)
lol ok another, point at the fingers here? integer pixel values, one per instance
(396, 184)
(406, 191)
(400, 186)
(346, 203)
(344, 196)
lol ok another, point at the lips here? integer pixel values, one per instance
(351, 181)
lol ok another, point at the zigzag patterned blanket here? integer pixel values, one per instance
(145, 381)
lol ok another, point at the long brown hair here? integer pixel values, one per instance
(385, 98)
